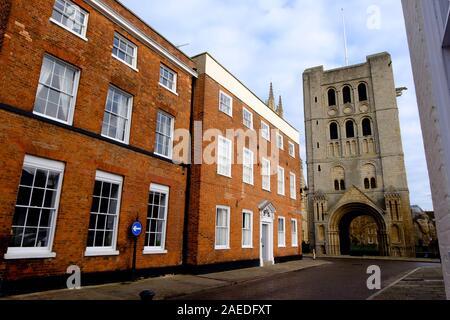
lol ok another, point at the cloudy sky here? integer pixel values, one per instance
(261, 41)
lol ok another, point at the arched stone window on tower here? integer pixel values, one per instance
(338, 175)
(367, 127)
(331, 97)
(334, 131)
(369, 175)
(350, 129)
(362, 92)
(373, 183)
(347, 94)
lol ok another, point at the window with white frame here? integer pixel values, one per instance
(155, 235)
(247, 229)
(36, 209)
(104, 218)
(281, 232)
(225, 103)
(125, 50)
(248, 166)
(248, 118)
(291, 149)
(57, 90)
(222, 227)
(167, 78)
(70, 16)
(164, 135)
(280, 142)
(294, 232)
(224, 156)
(265, 131)
(265, 171)
(117, 118)
(281, 182)
(293, 186)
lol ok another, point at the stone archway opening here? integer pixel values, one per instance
(358, 229)
(358, 235)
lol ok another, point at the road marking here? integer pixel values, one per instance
(393, 284)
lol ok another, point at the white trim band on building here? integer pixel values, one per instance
(124, 23)
(208, 65)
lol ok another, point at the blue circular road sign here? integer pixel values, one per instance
(136, 228)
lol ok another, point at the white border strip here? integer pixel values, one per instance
(115, 17)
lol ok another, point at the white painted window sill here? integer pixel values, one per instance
(100, 252)
(154, 251)
(59, 24)
(222, 248)
(164, 156)
(126, 142)
(30, 254)
(224, 175)
(127, 64)
(247, 247)
(168, 89)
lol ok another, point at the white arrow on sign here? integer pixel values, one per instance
(136, 228)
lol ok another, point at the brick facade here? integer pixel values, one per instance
(210, 189)
(81, 147)
(30, 35)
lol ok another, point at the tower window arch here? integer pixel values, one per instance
(338, 175)
(366, 184)
(367, 127)
(369, 173)
(373, 183)
(347, 94)
(362, 92)
(331, 97)
(350, 129)
(334, 132)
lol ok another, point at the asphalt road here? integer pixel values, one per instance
(342, 280)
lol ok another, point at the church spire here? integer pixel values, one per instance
(280, 110)
(271, 101)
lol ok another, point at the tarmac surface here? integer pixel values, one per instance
(308, 279)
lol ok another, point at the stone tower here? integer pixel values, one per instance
(355, 158)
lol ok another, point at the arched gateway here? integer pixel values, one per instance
(339, 233)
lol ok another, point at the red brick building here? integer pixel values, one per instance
(245, 204)
(89, 99)
(91, 102)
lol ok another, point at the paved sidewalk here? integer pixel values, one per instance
(424, 283)
(171, 286)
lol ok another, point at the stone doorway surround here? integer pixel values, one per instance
(267, 217)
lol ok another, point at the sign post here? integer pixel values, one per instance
(136, 230)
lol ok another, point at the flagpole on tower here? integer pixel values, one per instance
(345, 37)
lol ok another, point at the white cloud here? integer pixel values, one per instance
(275, 40)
